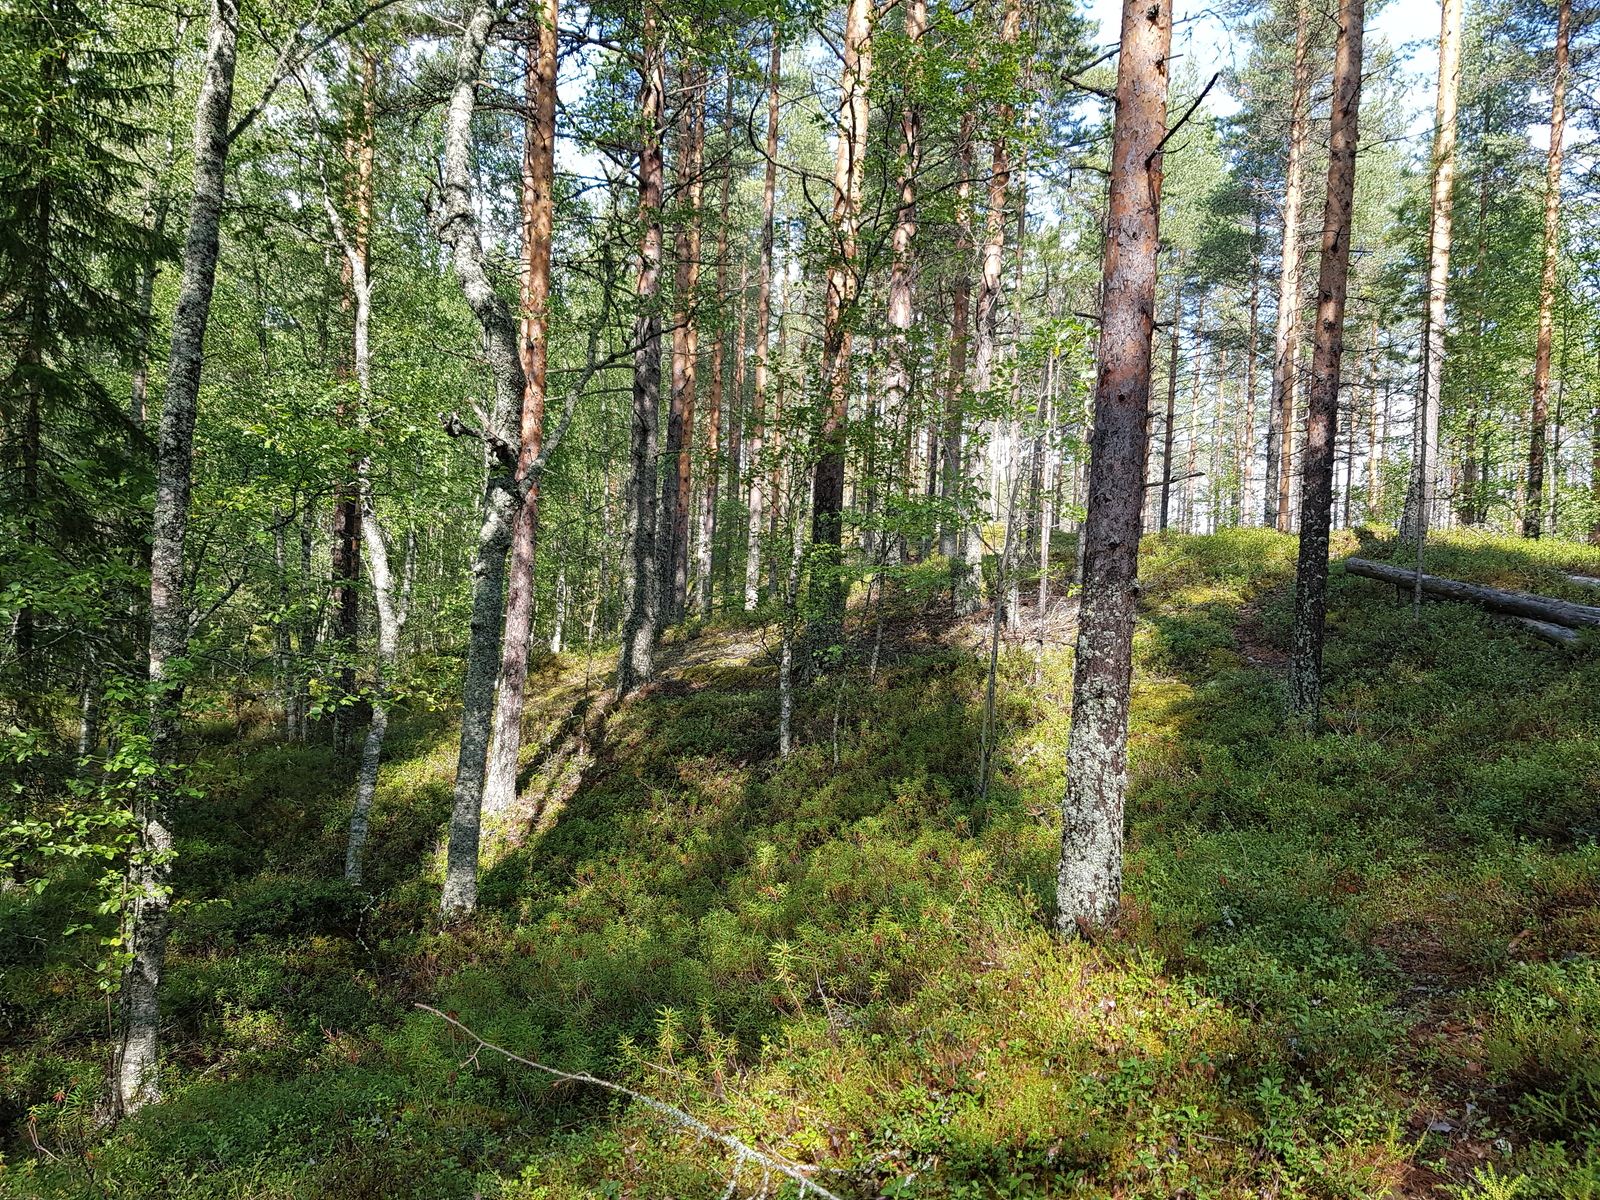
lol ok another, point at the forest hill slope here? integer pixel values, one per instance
(1355, 965)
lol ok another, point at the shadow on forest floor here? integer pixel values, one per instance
(1354, 964)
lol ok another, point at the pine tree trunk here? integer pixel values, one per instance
(1169, 425)
(752, 566)
(1316, 509)
(641, 580)
(135, 1076)
(676, 452)
(538, 209)
(1422, 488)
(1089, 880)
(1286, 339)
(707, 532)
(827, 504)
(1533, 511)
(458, 229)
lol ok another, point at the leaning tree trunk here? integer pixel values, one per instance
(1533, 510)
(1316, 504)
(458, 229)
(538, 207)
(1089, 879)
(134, 1078)
(1417, 514)
(827, 516)
(752, 565)
(641, 580)
(1286, 339)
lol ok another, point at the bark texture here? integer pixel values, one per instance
(458, 230)
(843, 282)
(1422, 490)
(1089, 879)
(758, 401)
(538, 208)
(135, 1080)
(1517, 604)
(1316, 489)
(1533, 508)
(641, 581)
(1286, 338)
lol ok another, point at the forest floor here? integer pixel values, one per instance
(1357, 964)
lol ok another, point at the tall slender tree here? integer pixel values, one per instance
(641, 577)
(1089, 878)
(458, 230)
(1316, 508)
(758, 401)
(1286, 337)
(538, 210)
(843, 283)
(1539, 413)
(1420, 494)
(135, 1079)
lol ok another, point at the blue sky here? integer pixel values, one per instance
(1409, 24)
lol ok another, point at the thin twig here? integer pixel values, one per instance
(742, 1152)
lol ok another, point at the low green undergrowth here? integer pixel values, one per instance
(1348, 964)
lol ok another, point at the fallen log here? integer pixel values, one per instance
(1518, 604)
(1584, 580)
(1559, 634)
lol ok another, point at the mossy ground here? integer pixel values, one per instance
(1358, 964)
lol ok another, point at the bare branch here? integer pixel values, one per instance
(742, 1152)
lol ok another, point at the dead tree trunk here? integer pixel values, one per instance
(1089, 880)
(1517, 604)
(1316, 488)
(1533, 509)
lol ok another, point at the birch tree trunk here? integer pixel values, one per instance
(391, 615)
(538, 208)
(752, 565)
(641, 580)
(1089, 879)
(1533, 509)
(1286, 338)
(1420, 501)
(897, 373)
(1316, 504)
(458, 230)
(952, 534)
(134, 1078)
